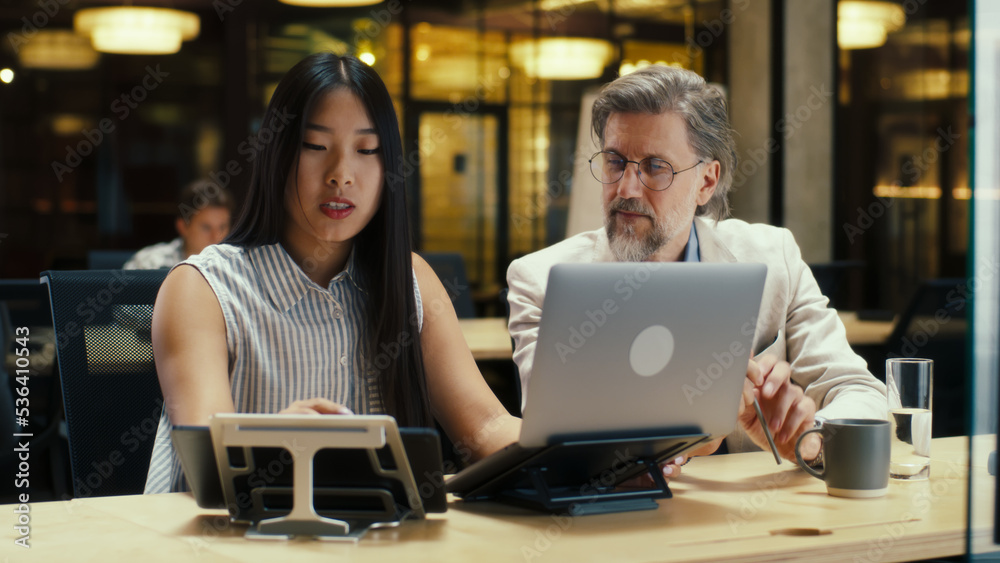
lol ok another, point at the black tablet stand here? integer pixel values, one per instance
(582, 476)
(573, 501)
(384, 495)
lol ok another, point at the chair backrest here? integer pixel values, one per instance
(935, 326)
(830, 277)
(110, 391)
(450, 268)
(108, 259)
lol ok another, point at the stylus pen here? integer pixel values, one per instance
(767, 432)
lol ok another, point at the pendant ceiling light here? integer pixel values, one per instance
(58, 49)
(137, 30)
(864, 24)
(562, 58)
(329, 3)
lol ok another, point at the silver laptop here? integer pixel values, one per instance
(632, 350)
(629, 347)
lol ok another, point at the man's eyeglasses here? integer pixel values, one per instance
(608, 167)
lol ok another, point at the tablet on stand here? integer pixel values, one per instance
(329, 477)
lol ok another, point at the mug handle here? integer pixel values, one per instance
(802, 462)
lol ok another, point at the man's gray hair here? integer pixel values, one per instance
(656, 89)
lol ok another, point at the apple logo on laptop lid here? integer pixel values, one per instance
(651, 350)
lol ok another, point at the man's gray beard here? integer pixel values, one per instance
(629, 247)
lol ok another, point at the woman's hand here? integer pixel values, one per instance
(316, 405)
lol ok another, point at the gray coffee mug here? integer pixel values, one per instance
(855, 457)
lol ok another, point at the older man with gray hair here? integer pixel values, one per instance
(672, 206)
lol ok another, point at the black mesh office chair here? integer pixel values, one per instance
(935, 326)
(450, 268)
(110, 391)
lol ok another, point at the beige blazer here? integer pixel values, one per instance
(794, 320)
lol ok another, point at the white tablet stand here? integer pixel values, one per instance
(382, 494)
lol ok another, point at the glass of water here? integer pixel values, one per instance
(909, 382)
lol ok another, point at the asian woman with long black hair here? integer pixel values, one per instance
(315, 302)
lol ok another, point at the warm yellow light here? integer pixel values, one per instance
(860, 34)
(423, 52)
(863, 24)
(329, 3)
(908, 192)
(58, 49)
(137, 31)
(6, 76)
(628, 68)
(562, 58)
(367, 58)
(961, 192)
(68, 124)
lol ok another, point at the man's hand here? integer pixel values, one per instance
(316, 405)
(787, 410)
(670, 469)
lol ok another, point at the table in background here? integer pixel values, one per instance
(739, 507)
(489, 340)
(865, 333)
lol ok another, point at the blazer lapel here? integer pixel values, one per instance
(712, 249)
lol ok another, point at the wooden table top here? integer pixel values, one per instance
(739, 507)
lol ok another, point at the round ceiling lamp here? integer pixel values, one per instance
(562, 58)
(864, 24)
(329, 3)
(58, 49)
(137, 30)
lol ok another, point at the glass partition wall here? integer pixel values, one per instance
(983, 398)
(491, 95)
(488, 94)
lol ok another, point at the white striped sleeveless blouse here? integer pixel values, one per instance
(288, 339)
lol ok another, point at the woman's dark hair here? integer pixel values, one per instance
(381, 250)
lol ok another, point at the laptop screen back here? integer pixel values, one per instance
(640, 349)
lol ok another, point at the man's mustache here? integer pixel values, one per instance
(630, 206)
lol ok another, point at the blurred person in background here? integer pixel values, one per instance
(204, 216)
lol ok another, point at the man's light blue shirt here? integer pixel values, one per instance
(691, 252)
